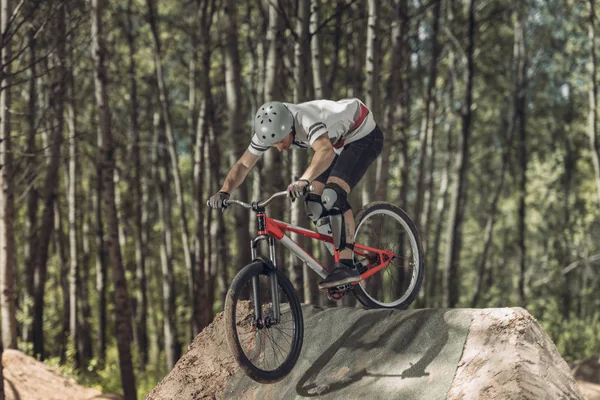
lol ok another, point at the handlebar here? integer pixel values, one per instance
(263, 203)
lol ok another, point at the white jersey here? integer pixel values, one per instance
(343, 121)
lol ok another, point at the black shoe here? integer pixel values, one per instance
(340, 275)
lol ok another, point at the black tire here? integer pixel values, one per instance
(395, 216)
(234, 309)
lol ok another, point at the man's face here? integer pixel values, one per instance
(284, 143)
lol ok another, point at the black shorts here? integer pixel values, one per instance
(352, 164)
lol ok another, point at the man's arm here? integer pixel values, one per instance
(321, 160)
(239, 171)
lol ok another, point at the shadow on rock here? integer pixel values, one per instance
(360, 351)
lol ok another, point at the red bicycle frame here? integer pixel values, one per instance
(274, 229)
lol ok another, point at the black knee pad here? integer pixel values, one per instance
(314, 207)
(334, 197)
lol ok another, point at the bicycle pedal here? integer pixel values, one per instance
(343, 288)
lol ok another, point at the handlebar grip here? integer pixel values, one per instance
(224, 206)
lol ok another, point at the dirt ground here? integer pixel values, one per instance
(509, 356)
(25, 378)
(203, 370)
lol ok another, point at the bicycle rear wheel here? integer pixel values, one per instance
(384, 226)
(265, 349)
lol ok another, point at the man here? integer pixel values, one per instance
(346, 141)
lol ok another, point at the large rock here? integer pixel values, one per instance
(382, 354)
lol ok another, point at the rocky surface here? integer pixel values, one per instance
(456, 354)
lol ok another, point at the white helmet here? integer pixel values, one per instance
(273, 122)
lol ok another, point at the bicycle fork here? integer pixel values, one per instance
(272, 284)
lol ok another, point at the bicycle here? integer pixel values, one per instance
(266, 313)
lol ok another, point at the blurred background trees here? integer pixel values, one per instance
(119, 119)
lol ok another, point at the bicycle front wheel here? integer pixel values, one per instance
(265, 348)
(384, 226)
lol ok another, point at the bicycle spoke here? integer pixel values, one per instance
(384, 229)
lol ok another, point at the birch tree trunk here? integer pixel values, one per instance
(123, 328)
(7, 211)
(459, 188)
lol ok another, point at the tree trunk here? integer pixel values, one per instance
(101, 264)
(491, 217)
(316, 47)
(123, 329)
(593, 95)
(161, 177)
(205, 116)
(459, 188)
(433, 286)
(32, 194)
(272, 177)
(83, 288)
(63, 280)
(73, 182)
(372, 63)
(299, 161)
(141, 304)
(237, 136)
(427, 121)
(335, 58)
(404, 101)
(521, 114)
(390, 109)
(8, 324)
(165, 108)
(50, 192)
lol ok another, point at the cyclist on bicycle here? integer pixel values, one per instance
(346, 140)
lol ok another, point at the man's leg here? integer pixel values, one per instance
(345, 253)
(334, 200)
(351, 166)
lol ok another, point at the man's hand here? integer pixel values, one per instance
(297, 189)
(216, 200)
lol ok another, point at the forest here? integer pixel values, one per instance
(119, 119)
